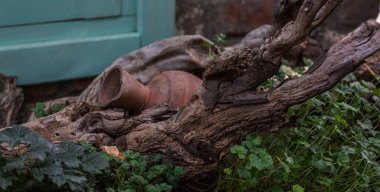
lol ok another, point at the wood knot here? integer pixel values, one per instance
(203, 150)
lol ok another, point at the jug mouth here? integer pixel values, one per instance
(111, 87)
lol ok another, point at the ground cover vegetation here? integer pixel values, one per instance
(334, 145)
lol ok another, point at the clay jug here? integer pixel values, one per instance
(121, 90)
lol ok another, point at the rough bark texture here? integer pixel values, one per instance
(11, 99)
(227, 108)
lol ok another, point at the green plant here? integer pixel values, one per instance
(335, 146)
(36, 164)
(44, 166)
(219, 40)
(39, 109)
(250, 157)
(56, 108)
(140, 173)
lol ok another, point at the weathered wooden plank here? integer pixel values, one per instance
(18, 12)
(101, 8)
(129, 7)
(62, 60)
(66, 30)
(156, 19)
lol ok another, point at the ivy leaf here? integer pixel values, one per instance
(55, 174)
(15, 164)
(240, 151)
(157, 170)
(227, 171)
(366, 124)
(157, 158)
(285, 62)
(277, 189)
(319, 163)
(286, 69)
(56, 108)
(369, 156)
(14, 136)
(348, 150)
(343, 159)
(297, 188)
(304, 143)
(69, 159)
(325, 181)
(71, 147)
(93, 161)
(363, 141)
(39, 110)
(54, 169)
(75, 182)
(70, 155)
(376, 92)
(40, 147)
(375, 141)
(178, 171)
(244, 173)
(39, 173)
(6, 182)
(58, 180)
(261, 161)
(254, 140)
(307, 61)
(364, 182)
(219, 38)
(134, 178)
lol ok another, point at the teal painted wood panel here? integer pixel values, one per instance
(156, 19)
(129, 7)
(17, 12)
(54, 48)
(67, 30)
(54, 61)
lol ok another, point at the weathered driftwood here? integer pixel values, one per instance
(11, 99)
(227, 108)
(186, 53)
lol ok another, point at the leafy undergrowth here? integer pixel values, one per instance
(335, 146)
(39, 109)
(139, 173)
(31, 163)
(46, 166)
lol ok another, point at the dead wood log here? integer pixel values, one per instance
(11, 99)
(81, 121)
(228, 107)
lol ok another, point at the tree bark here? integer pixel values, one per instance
(227, 108)
(11, 99)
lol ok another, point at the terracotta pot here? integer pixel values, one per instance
(121, 90)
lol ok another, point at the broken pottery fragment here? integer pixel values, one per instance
(121, 90)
